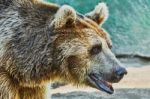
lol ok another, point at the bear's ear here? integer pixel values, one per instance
(65, 16)
(99, 14)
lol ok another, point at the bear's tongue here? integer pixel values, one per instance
(102, 84)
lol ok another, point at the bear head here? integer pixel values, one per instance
(83, 48)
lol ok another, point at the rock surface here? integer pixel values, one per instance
(119, 94)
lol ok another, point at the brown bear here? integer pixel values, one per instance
(42, 42)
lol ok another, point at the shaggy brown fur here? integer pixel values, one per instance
(42, 42)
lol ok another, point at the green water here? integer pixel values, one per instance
(128, 23)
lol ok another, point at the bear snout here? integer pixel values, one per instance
(120, 71)
(118, 74)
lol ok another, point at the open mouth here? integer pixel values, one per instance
(101, 84)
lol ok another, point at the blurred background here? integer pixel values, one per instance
(129, 27)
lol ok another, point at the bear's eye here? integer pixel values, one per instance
(96, 49)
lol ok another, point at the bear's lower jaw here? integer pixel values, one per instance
(99, 83)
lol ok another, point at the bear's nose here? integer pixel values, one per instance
(120, 71)
(118, 74)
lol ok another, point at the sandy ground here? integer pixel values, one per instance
(135, 85)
